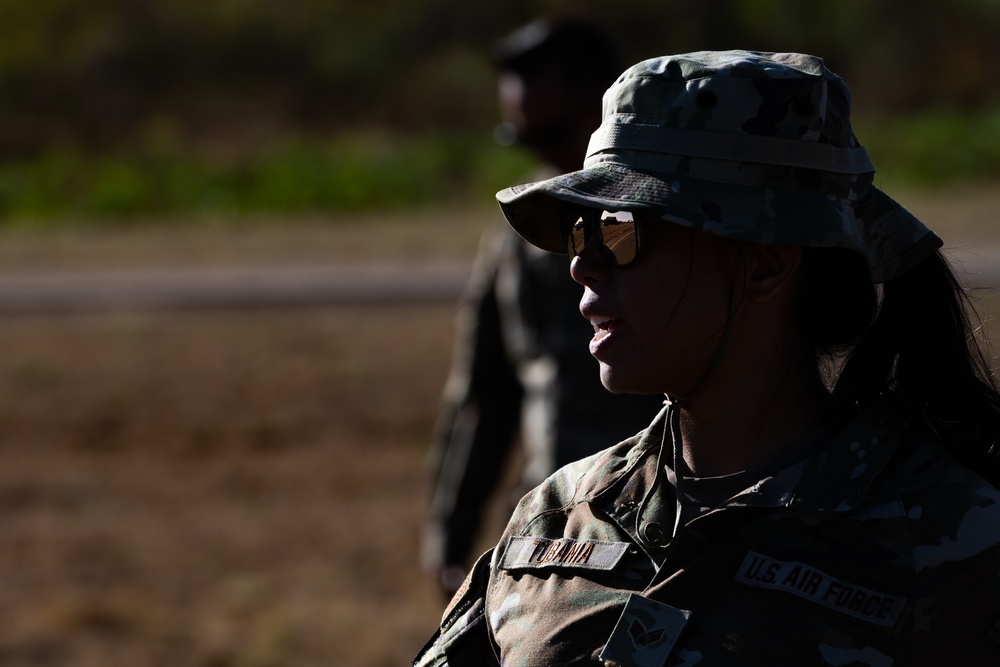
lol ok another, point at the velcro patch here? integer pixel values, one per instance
(810, 584)
(539, 552)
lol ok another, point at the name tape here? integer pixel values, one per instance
(539, 552)
(813, 585)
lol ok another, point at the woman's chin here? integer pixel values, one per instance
(618, 381)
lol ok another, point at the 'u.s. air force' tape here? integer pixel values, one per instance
(810, 584)
(645, 634)
(539, 552)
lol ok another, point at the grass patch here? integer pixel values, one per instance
(935, 148)
(345, 174)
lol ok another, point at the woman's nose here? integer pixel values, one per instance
(588, 267)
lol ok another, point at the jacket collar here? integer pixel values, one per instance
(836, 478)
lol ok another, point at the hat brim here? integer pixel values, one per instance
(539, 211)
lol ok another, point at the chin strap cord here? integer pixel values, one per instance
(675, 442)
(673, 422)
(672, 426)
(734, 304)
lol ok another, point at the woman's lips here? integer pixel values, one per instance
(604, 328)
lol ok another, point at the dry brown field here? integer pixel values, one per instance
(236, 489)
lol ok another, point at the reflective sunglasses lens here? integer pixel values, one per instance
(618, 241)
(577, 237)
(618, 236)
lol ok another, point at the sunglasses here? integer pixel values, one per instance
(617, 236)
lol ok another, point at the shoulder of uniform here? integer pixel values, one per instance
(580, 479)
(953, 518)
(954, 512)
(463, 638)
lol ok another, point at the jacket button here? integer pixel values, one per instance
(653, 533)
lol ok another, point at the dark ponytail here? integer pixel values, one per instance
(919, 347)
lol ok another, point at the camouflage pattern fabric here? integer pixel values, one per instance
(879, 551)
(522, 370)
(746, 145)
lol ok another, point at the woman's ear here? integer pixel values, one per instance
(773, 271)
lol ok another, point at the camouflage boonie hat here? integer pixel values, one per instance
(742, 144)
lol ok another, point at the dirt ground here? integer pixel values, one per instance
(238, 489)
(234, 489)
(220, 489)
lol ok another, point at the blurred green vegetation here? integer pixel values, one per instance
(345, 173)
(121, 109)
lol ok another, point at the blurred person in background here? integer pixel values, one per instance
(521, 368)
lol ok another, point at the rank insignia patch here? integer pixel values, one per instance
(645, 634)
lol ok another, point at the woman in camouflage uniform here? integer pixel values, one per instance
(819, 488)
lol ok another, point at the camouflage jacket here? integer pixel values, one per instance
(879, 550)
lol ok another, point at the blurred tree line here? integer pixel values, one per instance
(158, 81)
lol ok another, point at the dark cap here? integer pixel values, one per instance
(578, 46)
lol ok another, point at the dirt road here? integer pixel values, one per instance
(423, 257)
(276, 287)
(280, 287)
